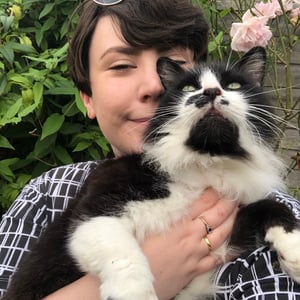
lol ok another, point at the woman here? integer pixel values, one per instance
(112, 60)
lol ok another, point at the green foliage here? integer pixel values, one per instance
(42, 120)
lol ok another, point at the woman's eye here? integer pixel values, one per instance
(189, 88)
(122, 67)
(234, 86)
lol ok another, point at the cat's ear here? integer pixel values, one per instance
(168, 71)
(254, 63)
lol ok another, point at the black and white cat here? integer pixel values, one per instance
(213, 127)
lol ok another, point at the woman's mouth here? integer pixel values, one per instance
(142, 121)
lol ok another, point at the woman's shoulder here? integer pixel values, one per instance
(255, 275)
(292, 203)
(62, 177)
(73, 171)
(49, 194)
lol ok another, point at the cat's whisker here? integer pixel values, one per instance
(275, 129)
(161, 113)
(277, 132)
(251, 127)
(271, 91)
(292, 110)
(275, 117)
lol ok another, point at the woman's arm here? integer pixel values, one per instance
(44, 198)
(85, 288)
(175, 257)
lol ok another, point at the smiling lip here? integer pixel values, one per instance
(142, 120)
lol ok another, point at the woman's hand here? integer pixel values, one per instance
(179, 255)
(175, 257)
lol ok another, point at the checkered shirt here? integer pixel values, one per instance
(256, 276)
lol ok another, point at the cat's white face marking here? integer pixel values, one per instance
(230, 103)
(209, 80)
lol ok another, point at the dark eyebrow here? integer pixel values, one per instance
(122, 50)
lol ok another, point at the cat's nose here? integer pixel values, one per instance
(212, 93)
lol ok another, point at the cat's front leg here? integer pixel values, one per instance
(105, 246)
(287, 245)
(269, 222)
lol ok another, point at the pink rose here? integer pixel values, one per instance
(252, 32)
(295, 12)
(288, 5)
(294, 16)
(267, 9)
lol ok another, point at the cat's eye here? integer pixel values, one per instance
(189, 88)
(234, 86)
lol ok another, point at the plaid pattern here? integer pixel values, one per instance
(43, 199)
(256, 276)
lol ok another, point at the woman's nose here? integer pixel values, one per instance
(151, 87)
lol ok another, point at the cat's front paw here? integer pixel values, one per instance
(287, 244)
(127, 290)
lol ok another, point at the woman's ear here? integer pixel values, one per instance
(88, 104)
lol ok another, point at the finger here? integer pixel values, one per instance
(207, 263)
(214, 240)
(207, 200)
(215, 216)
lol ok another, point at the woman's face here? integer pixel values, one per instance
(125, 86)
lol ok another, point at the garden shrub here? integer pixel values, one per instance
(43, 123)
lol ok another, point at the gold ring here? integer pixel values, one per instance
(208, 243)
(208, 228)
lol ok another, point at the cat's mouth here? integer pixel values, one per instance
(213, 112)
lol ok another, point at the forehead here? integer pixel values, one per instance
(107, 34)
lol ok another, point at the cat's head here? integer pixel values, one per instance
(213, 109)
(215, 121)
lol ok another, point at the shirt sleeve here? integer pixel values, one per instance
(44, 198)
(258, 276)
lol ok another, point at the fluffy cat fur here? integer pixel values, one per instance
(213, 128)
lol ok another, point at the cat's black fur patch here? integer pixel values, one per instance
(135, 177)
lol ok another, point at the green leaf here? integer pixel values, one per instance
(103, 143)
(23, 179)
(70, 128)
(82, 146)
(94, 153)
(63, 155)
(23, 48)
(3, 83)
(6, 22)
(4, 143)
(52, 125)
(38, 90)
(47, 9)
(79, 104)
(19, 79)
(48, 24)
(13, 110)
(8, 53)
(5, 172)
(43, 147)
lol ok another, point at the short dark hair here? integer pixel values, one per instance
(159, 24)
